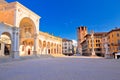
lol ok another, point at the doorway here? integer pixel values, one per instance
(28, 51)
(7, 49)
(48, 51)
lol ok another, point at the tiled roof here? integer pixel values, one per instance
(117, 29)
(66, 39)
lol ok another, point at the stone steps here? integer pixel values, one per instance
(58, 55)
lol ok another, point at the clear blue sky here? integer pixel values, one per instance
(62, 17)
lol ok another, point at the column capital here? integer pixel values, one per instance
(36, 35)
(15, 29)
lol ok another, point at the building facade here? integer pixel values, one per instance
(98, 44)
(113, 38)
(81, 33)
(49, 44)
(67, 47)
(104, 42)
(20, 35)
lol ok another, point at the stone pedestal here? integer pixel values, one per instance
(35, 53)
(15, 55)
(107, 53)
(93, 53)
(108, 56)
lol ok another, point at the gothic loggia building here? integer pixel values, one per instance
(20, 35)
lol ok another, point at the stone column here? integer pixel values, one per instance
(92, 38)
(57, 48)
(35, 44)
(46, 50)
(15, 43)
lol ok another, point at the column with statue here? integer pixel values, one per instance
(107, 53)
(92, 38)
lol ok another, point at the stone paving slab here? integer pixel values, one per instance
(62, 69)
(8, 59)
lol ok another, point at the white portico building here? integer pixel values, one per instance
(19, 32)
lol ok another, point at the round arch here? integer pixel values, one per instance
(5, 44)
(27, 27)
(51, 48)
(55, 48)
(7, 33)
(27, 33)
(40, 44)
(48, 46)
(60, 48)
(44, 44)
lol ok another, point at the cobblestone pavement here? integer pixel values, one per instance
(61, 69)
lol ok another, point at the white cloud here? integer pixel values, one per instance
(74, 42)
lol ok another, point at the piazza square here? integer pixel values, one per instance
(28, 53)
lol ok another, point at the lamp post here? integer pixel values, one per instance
(92, 38)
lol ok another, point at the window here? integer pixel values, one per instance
(118, 41)
(65, 47)
(98, 45)
(112, 35)
(96, 40)
(65, 51)
(65, 43)
(98, 49)
(118, 47)
(112, 44)
(118, 35)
